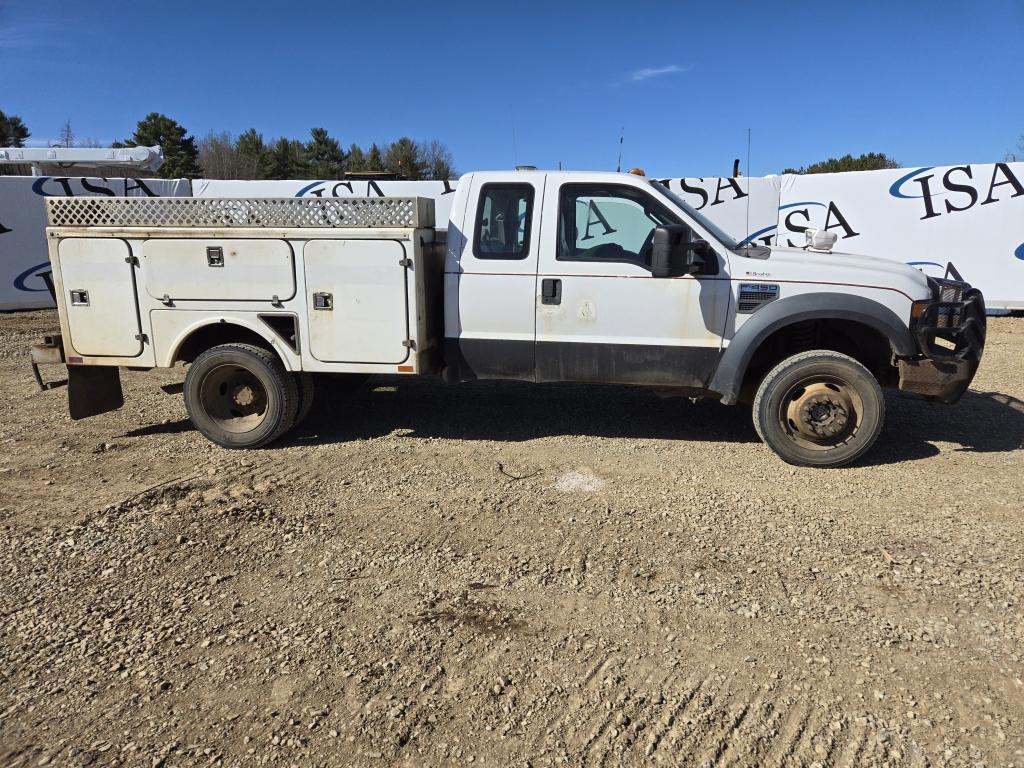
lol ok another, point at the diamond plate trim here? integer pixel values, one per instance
(285, 213)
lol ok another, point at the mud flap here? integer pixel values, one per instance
(93, 389)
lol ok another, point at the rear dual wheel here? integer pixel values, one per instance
(241, 396)
(819, 409)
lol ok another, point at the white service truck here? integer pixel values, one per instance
(539, 276)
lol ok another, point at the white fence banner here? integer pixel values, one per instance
(23, 254)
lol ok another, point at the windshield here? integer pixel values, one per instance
(701, 219)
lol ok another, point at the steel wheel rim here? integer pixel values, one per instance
(820, 413)
(234, 398)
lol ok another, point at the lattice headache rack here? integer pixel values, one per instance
(277, 212)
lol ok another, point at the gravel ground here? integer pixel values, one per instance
(507, 574)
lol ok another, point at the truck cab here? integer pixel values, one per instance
(549, 277)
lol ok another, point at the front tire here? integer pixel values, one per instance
(240, 396)
(819, 409)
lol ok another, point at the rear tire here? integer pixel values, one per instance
(307, 393)
(240, 396)
(819, 409)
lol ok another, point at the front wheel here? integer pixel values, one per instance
(819, 409)
(240, 395)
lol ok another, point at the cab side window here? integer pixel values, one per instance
(504, 215)
(608, 223)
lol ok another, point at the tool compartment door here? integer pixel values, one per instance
(185, 269)
(99, 293)
(358, 299)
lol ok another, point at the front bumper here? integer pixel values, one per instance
(950, 332)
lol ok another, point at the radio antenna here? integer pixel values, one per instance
(515, 151)
(622, 135)
(750, 188)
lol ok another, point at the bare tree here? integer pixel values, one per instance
(218, 157)
(67, 136)
(436, 160)
(1013, 157)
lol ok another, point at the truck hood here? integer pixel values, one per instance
(837, 267)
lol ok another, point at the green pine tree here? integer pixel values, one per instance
(356, 162)
(872, 161)
(325, 156)
(253, 154)
(13, 132)
(181, 156)
(288, 160)
(403, 158)
(374, 160)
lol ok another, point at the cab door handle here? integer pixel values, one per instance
(550, 291)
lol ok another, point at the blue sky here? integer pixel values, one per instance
(929, 83)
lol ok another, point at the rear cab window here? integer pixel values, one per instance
(504, 215)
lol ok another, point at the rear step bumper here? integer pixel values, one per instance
(92, 389)
(50, 352)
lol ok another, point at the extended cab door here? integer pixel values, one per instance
(491, 276)
(601, 315)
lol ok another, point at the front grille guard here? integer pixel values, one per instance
(961, 324)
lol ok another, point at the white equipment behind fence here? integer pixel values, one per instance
(972, 215)
(142, 158)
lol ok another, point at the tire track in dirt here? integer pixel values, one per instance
(667, 722)
(850, 754)
(707, 721)
(708, 716)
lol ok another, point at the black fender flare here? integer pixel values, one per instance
(732, 366)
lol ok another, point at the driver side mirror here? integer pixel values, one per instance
(673, 254)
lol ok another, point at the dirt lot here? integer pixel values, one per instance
(502, 574)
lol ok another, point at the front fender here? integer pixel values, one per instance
(732, 366)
